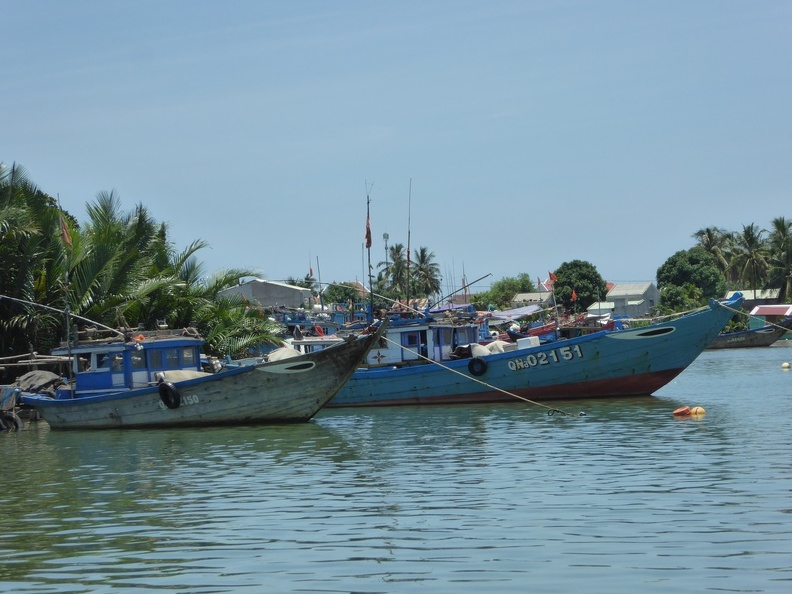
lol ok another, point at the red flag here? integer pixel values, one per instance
(65, 233)
(368, 232)
(574, 295)
(553, 277)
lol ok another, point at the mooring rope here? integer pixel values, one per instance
(550, 410)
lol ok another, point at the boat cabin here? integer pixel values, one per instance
(409, 343)
(102, 366)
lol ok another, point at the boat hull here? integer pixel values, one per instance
(756, 337)
(288, 391)
(631, 362)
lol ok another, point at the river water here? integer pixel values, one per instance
(495, 498)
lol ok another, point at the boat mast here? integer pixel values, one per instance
(66, 240)
(409, 207)
(319, 280)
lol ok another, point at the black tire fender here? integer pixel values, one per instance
(10, 421)
(477, 366)
(169, 395)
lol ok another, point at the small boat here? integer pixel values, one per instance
(156, 379)
(545, 332)
(755, 337)
(442, 362)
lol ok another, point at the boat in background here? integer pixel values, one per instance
(155, 379)
(440, 361)
(754, 337)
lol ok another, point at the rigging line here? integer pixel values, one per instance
(41, 305)
(550, 410)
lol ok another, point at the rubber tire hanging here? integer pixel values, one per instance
(477, 366)
(169, 395)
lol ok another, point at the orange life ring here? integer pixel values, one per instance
(140, 338)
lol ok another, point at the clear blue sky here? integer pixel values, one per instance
(531, 133)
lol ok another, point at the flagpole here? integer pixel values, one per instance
(370, 316)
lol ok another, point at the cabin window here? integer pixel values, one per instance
(410, 340)
(443, 343)
(138, 361)
(118, 362)
(155, 359)
(414, 341)
(466, 335)
(102, 362)
(172, 358)
(188, 356)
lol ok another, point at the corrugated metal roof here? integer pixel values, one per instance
(752, 295)
(530, 297)
(629, 289)
(603, 305)
(772, 310)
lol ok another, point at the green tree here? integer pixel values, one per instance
(750, 256)
(502, 292)
(694, 267)
(780, 257)
(581, 280)
(33, 267)
(426, 277)
(393, 277)
(676, 298)
(718, 243)
(119, 269)
(307, 282)
(342, 293)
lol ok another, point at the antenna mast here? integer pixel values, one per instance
(409, 206)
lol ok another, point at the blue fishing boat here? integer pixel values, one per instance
(753, 337)
(441, 361)
(156, 379)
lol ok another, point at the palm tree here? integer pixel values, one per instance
(780, 257)
(119, 268)
(112, 261)
(750, 256)
(718, 243)
(426, 274)
(32, 263)
(394, 271)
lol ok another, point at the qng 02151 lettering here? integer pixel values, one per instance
(548, 357)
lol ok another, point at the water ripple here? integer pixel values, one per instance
(464, 499)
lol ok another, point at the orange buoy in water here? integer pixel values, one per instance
(682, 411)
(697, 410)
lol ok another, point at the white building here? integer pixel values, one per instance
(270, 294)
(635, 300)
